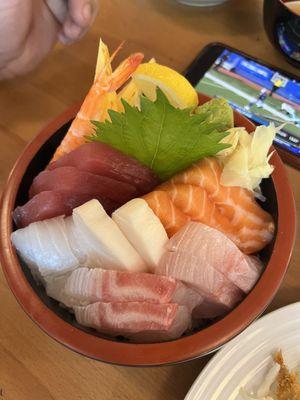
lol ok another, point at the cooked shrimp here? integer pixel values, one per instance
(101, 98)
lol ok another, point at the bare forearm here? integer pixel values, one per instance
(28, 31)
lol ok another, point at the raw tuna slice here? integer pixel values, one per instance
(45, 247)
(102, 159)
(49, 204)
(211, 247)
(202, 276)
(139, 321)
(86, 286)
(70, 179)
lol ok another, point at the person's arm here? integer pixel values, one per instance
(28, 31)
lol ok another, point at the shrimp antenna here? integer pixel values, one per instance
(108, 62)
(117, 50)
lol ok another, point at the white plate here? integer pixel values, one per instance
(245, 360)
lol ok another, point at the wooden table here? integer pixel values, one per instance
(33, 366)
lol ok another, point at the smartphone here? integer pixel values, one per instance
(259, 91)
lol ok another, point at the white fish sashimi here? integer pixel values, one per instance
(61, 257)
(187, 297)
(105, 244)
(143, 229)
(55, 286)
(180, 324)
(86, 286)
(212, 247)
(212, 284)
(75, 241)
(140, 321)
(89, 238)
(22, 240)
(57, 233)
(44, 246)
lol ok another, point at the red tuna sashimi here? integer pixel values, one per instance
(49, 204)
(211, 283)
(139, 321)
(212, 247)
(101, 159)
(85, 286)
(70, 179)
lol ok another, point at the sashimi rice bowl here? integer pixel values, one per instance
(149, 225)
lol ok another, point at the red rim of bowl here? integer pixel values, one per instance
(180, 350)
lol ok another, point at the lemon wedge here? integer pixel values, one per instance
(131, 93)
(179, 91)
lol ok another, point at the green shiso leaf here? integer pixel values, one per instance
(160, 136)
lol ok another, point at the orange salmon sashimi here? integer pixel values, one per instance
(195, 202)
(172, 218)
(254, 226)
(236, 203)
(101, 97)
(198, 194)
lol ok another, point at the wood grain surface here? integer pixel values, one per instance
(33, 366)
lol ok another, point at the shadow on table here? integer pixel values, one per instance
(182, 376)
(170, 382)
